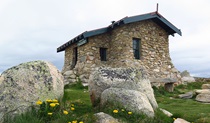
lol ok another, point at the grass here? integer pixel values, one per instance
(188, 109)
(78, 96)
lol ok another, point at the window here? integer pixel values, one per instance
(136, 48)
(103, 54)
(75, 58)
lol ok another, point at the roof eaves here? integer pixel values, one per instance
(84, 35)
(151, 16)
(178, 31)
(94, 32)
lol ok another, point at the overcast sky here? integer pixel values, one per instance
(33, 29)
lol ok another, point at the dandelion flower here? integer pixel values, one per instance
(81, 122)
(72, 108)
(65, 112)
(52, 104)
(48, 100)
(55, 101)
(129, 112)
(115, 111)
(50, 113)
(74, 121)
(39, 102)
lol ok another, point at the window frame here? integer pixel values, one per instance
(103, 53)
(137, 48)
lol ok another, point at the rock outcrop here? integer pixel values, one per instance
(187, 95)
(179, 120)
(21, 86)
(132, 100)
(105, 118)
(104, 81)
(203, 94)
(186, 77)
(205, 86)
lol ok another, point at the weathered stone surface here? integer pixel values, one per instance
(187, 95)
(132, 100)
(69, 77)
(205, 98)
(163, 80)
(21, 86)
(179, 120)
(166, 112)
(167, 82)
(186, 77)
(185, 73)
(205, 86)
(203, 91)
(155, 55)
(105, 118)
(130, 79)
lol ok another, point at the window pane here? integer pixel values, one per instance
(103, 54)
(136, 48)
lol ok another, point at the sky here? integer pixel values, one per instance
(33, 29)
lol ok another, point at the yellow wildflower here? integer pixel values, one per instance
(65, 112)
(55, 101)
(174, 118)
(50, 113)
(129, 112)
(52, 104)
(74, 121)
(72, 108)
(81, 122)
(39, 102)
(48, 100)
(115, 111)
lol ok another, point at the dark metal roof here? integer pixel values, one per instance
(154, 16)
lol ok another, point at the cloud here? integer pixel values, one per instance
(32, 30)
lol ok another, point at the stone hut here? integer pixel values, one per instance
(140, 41)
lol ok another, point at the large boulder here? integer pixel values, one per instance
(187, 95)
(101, 117)
(186, 77)
(123, 78)
(132, 100)
(203, 91)
(180, 120)
(206, 86)
(21, 86)
(205, 98)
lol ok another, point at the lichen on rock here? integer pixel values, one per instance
(21, 86)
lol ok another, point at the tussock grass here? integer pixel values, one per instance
(188, 109)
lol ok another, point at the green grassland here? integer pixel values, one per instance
(78, 96)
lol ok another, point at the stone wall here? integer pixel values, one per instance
(155, 57)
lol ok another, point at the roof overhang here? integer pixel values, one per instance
(154, 16)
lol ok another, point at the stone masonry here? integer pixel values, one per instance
(155, 57)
